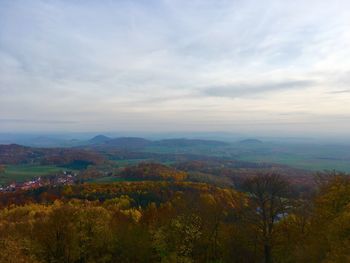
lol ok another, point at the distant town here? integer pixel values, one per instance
(64, 178)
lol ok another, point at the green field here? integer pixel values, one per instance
(312, 157)
(217, 151)
(21, 173)
(297, 161)
(309, 157)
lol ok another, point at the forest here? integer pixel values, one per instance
(265, 218)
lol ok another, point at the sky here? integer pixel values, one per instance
(272, 67)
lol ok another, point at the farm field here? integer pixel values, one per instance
(309, 157)
(23, 172)
(296, 161)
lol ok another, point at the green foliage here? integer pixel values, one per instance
(23, 172)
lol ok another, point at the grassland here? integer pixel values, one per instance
(21, 173)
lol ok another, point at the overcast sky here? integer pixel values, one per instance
(269, 67)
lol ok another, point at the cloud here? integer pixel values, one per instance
(29, 121)
(340, 91)
(134, 62)
(248, 90)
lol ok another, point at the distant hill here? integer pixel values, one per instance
(187, 143)
(128, 142)
(99, 139)
(44, 141)
(250, 141)
(18, 154)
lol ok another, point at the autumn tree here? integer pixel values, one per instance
(268, 192)
(2, 168)
(329, 234)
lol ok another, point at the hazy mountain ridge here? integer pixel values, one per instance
(138, 142)
(250, 141)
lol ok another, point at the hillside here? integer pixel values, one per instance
(17, 154)
(153, 171)
(99, 139)
(250, 141)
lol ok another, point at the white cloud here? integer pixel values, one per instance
(144, 64)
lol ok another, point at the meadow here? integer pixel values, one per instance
(24, 172)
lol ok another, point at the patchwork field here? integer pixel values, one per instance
(296, 161)
(310, 157)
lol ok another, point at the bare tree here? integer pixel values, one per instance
(268, 192)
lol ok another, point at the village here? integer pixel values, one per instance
(63, 178)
